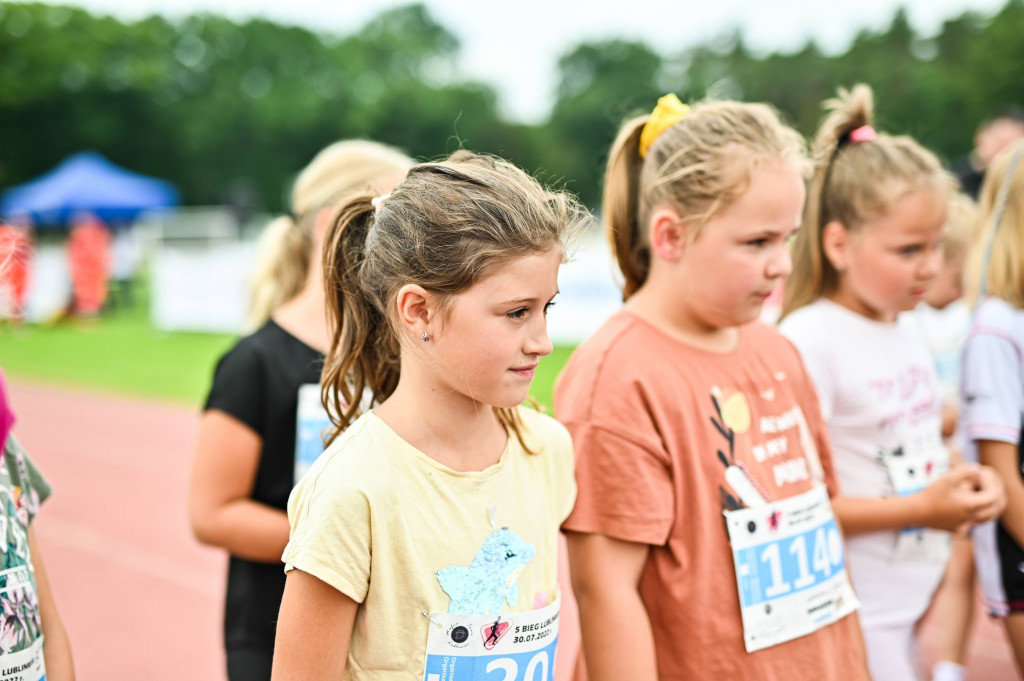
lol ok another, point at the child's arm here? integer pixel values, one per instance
(616, 631)
(313, 630)
(221, 509)
(56, 647)
(962, 495)
(1002, 456)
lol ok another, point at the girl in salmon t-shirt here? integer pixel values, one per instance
(703, 541)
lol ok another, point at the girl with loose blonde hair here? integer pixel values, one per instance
(869, 247)
(262, 421)
(430, 524)
(992, 383)
(683, 407)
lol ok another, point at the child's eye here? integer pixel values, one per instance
(910, 250)
(758, 243)
(518, 313)
(547, 308)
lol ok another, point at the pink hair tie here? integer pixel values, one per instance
(864, 133)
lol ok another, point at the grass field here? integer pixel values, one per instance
(123, 353)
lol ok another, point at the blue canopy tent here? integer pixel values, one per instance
(87, 182)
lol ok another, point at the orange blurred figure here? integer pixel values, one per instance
(15, 254)
(89, 254)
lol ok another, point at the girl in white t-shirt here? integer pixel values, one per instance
(992, 383)
(870, 244)
(424, 540)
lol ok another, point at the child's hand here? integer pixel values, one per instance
(990, 487)
(955, 499)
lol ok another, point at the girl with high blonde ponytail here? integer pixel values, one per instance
(870, 245)
(262, 422)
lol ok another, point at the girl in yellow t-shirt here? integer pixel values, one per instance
(424, 539)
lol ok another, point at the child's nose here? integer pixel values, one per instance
(781, 265)
(539, 342)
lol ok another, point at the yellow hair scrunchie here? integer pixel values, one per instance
(667, 113)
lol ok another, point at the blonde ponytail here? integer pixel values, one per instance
(282, 263)
(620, 206)
(285, 247)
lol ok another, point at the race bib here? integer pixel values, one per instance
(909, 475)
(790, 568)
(24, 665)
(518, 646)
(310, 424)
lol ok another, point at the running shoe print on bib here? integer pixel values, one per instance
(518, 646)
(909, 475)
(790, 568)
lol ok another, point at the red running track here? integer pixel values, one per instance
(140, 598)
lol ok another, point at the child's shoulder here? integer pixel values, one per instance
(620, 333)
(545, 430)
(808, 321)
(995, 314)
(356, 457)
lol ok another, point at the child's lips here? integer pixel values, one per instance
(525, 371)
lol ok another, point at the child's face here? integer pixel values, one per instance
(496, 332)
(947, 286)
(889, 263)
(742, 253)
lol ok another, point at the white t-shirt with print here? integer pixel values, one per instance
(880, 396)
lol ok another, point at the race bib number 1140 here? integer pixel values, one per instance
(790, 568)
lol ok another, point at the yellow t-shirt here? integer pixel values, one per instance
(400, 533)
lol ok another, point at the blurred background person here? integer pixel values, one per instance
(944, 319)
(15, 260)
(992, 136)
(89, 260)
(261, 422)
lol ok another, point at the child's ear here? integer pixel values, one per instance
(417, 309)
(322, 223)
(835, 244)
(667, 234)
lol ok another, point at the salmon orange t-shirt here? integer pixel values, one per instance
(656, 425)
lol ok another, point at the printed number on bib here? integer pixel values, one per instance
(518, 646)
(910, 474)
(790, 568)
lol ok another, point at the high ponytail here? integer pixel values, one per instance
(859, 174)
(363, 354)
(815, 275)
(620, 207)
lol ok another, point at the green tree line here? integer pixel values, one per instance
(208, 103)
